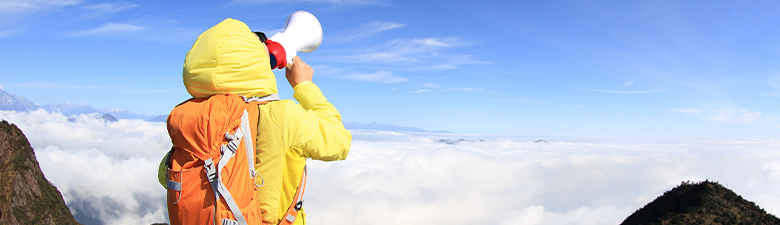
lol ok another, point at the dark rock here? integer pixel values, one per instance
(705, 202)
(26, 196)
(109, 118)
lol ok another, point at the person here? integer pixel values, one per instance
(230, 59)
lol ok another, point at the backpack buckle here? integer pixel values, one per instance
(298, 206)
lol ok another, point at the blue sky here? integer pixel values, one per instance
(659, 69)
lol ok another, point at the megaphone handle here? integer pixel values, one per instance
(290, 59)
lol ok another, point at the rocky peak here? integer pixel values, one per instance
(26, 196)
(704, 202)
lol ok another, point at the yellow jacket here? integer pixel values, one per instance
(228, 58)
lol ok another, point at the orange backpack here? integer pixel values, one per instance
(211, 175)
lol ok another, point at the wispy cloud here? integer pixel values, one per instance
(386, 77)
(334, 2)
(432, 87)
(365, 31)
(14, 12)
(25, 6)
(108, 8)
(456, 61)
(405, 50)
(732, 116)
(152, 30)
(6, 33)
(773, 83)
(509, 100)
(467, 89)
(651, 91)
(382, 76)
(109, 28)
(416, 54)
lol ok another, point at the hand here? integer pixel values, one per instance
(298, 72)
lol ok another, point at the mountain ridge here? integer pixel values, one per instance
(386, 127)
(9, 101)
(26, 196)
(705, 202)
(14, 102)
(18, 103)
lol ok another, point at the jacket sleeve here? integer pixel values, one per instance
(314, 128)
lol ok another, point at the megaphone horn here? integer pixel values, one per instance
(302, 33)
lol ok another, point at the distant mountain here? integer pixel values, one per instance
(17, 103)
(69, 109)
(26, 196)
(14, 102)
(159, 118)
(385, 127)
(705, 202)
(109, 118)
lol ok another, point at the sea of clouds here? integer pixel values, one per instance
(107, 172)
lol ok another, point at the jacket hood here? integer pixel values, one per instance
(228, 58)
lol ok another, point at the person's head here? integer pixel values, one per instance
(228, 59)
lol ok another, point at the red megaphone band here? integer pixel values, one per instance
(276, 51)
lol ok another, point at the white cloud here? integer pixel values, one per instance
(6, 33)
(585, 215)
(733, 116)
(415, 54)
(651, 91)
(430, 85)
(630, 82)
(378, 77)
(366, 30)
(108, 8)
(468, 89)
(773, 83)
(103, 170)
(435, 87)
(108, 170)
(335, 2)
(13, 12)
(109, 28)
(25, 6)
(405, 50)
(345, 74)
(459, 60)
(414, 179)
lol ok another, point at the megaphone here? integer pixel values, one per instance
(302, 33)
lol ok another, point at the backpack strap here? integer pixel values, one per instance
(271, 97)
(297, 204)
(228, 151)
(214, 176)
(250, 151)
(292, 211)
(250, 148)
